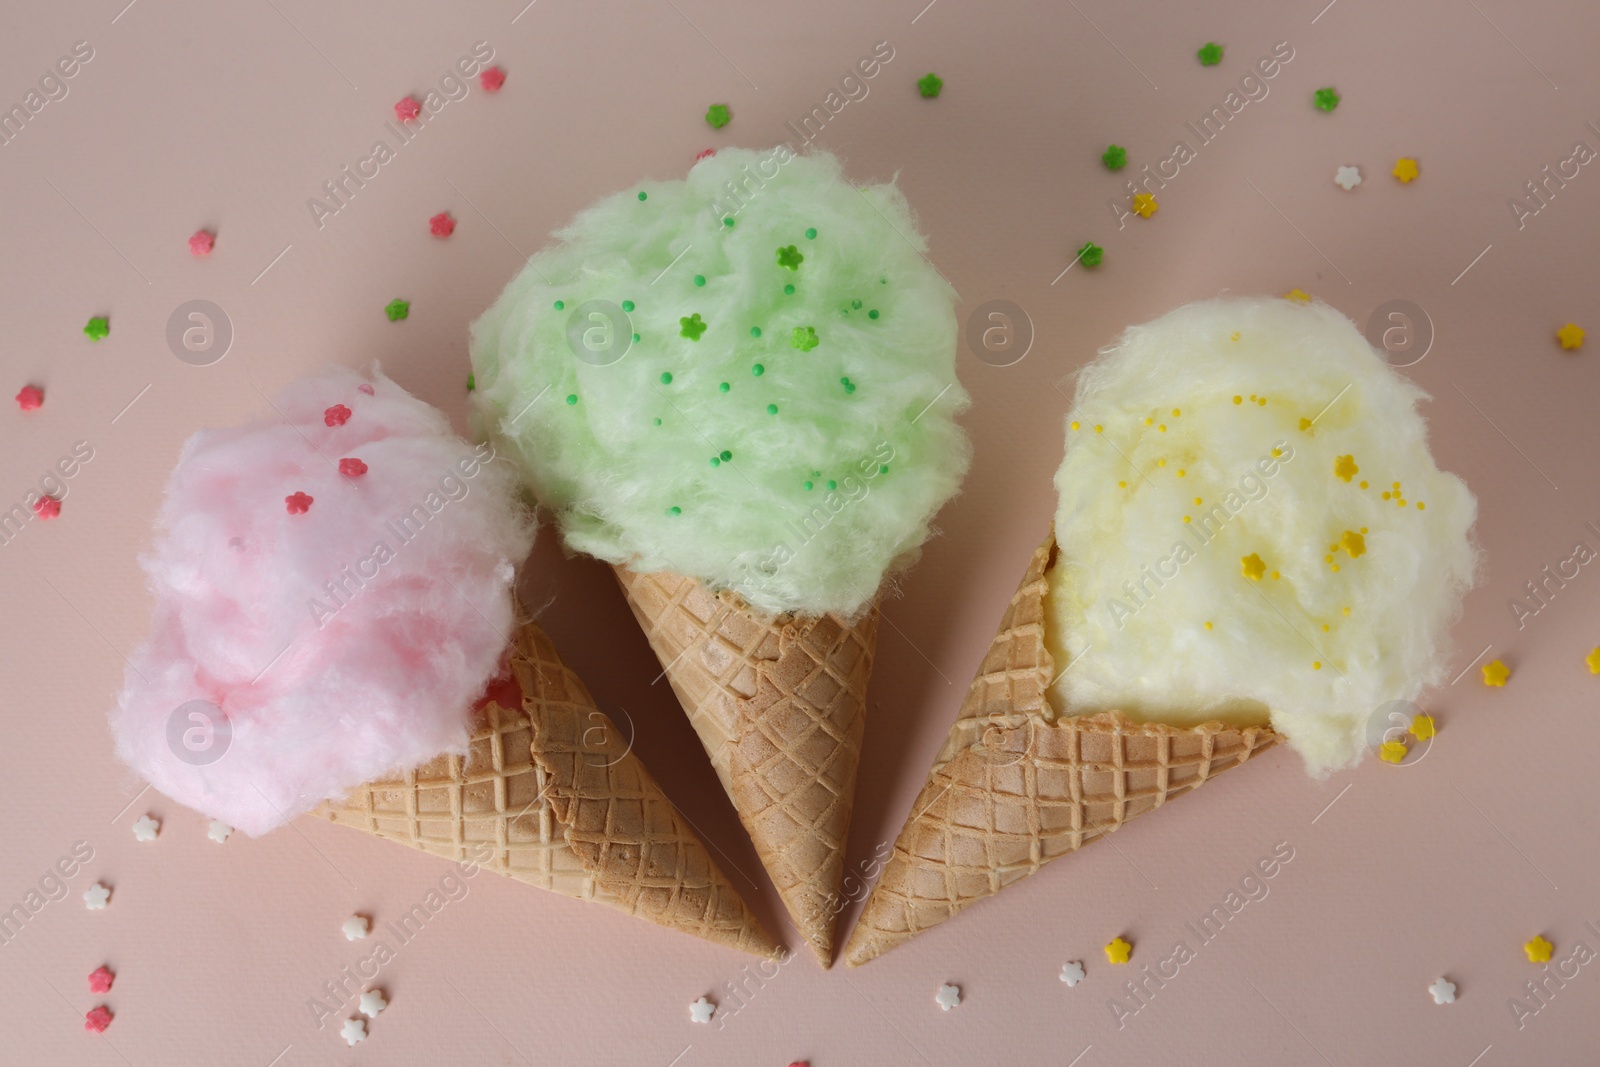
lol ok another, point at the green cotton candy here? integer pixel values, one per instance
(799, 486)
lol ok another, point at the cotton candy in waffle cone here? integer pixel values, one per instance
(779, 703)
(1015, 787)
(550, 793)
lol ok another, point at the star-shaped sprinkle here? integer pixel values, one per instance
(298, 503)
(353, 1031)
(201, 243)
(804, 338)
(337, 415)
(492, 79)
(47, 507)
(692, 327)
(372, 1003)
(442, 225)
(1072, 973)
(1444, 992)
(145, 828)
(789, 256)
(355, 927)
(1252, 566)
(30, 398)
(718, 115)
(929, 85)
(1392, 751)
(1593, 660)
(1115, 157)
(97, 1019)
(407, 108)
(1422, 727)
(100, 979)
(97, 327)
(95, 897)
(1405, 169)
(218, 831)
(1570, 336)
(1325, 99)
(1118, 951)
(1347, 178)
(1091, 254)
(351, 467)
(1210, 54)
(397, 309)
(1298, 295)
(702, 1010)
(1495, 673)
(1144, 205)
(1538, 950)
(1344, 468)
(947, 997)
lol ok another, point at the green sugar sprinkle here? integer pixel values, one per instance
(657, 422)
(699, 279)
(849, 386)
(666, 377)
(832, 484)
(723, 387)
(772, 409)
(674, 510)
(715, 462)
(728, 222)
(572, 398)
(758, 370)
(726, 455)
(811, 233)
(855, 305)
(627, 305)
(807, 485)
(788, 290)
(755, 331)
(635, 338)
(560, 304)
(883, 469)
(472, 382)
(643, 195)
(872, 314)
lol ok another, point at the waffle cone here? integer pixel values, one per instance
(1015, 786)
(779, 703)
(550, 794)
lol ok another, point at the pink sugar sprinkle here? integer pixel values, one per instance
(706, 153)
(365, 388)
(492, 79)
(201, 243)
(30, 398)
(407, 109)
(100, 979)
(351, 467)
(337, 415)
(97, 1020)
(47, 507)
(442, 225)
(298, 504)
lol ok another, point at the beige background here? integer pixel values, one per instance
(231, 116)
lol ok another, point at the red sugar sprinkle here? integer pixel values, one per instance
(47, 507)
(442, 225)
(352, 468)
(100, 980)
(201, 243)
(365, 388)
(298, 504)
(407, 109)
(703, 154)
(337, 415)
(492, 79)
(97, 1020)
(30, 398)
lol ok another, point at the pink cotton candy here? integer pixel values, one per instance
(295, 656)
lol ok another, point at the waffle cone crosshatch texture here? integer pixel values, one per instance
(1015, 786)
(550, 793)
(779, 704)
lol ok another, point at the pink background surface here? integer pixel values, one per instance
(231, 116)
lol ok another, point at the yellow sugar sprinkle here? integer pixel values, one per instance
(1324, 627)
(1305, 424)
(1161, 463)
(1327, 559)
(1363, 485)
(1252, 398)
(1400, 500)
(1176, 412)
(1198, 501)
(1262, 401)
(1162, 427)
(1208, 625)
(1316, 665)
(1098, 428)
(1363, 529)
(1276, 452)
(1421, 506)
(1386, 496)
(1235, 335)
(1397, 485)
(1148, 421)
(1336, 567)
(1238, 399)
(1354, 543)
(1186, 518)
(1276, 576)
(1347, 611)
(1074, 425)
(1181, 472)
(1122, 485)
